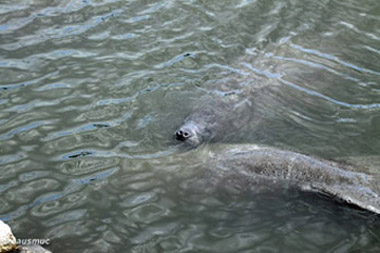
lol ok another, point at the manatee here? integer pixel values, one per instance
(260, 87)
(257, 166)
(214, 121)
(224, 111)
(218, 117)
(234, 104)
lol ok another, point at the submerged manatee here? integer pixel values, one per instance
(217, 117)
(215, 120)
(269, 165)
(248, 168)
(221, 113)
(236, 101)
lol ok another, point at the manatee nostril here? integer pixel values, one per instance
(182, 135)
(179, 135)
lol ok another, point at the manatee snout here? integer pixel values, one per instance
(188, 133)
(182, 135)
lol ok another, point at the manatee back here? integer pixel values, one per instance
(307, 173)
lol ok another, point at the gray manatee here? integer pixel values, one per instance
(228, 108)
(262, 165)
(219, 115)
(261, 85)
(215, 119)
(236, 101)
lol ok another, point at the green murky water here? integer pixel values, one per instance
(92, 91)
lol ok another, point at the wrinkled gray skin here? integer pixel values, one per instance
(267, 165)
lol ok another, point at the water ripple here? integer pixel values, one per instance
(334, 58)
(33, 81)
(28, 127)
(40, 103)
(276, 76)
(97, 176)
(340, 103)
(7, 159)
(92, 91)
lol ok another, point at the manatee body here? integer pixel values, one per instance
(258, 165)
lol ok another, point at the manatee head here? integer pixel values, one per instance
(189, 133)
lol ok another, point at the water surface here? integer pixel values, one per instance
(92, 91)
